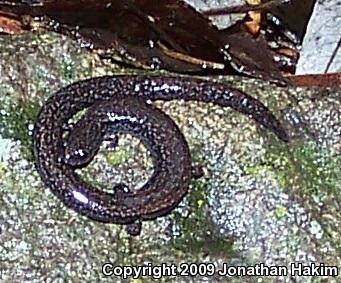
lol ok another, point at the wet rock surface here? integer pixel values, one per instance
(260, 200)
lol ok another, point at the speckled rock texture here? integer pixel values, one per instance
(260, 200)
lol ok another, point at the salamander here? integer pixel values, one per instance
(120, 103)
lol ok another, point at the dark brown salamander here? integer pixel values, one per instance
(119, 102)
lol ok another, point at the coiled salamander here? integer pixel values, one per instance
(118, 104)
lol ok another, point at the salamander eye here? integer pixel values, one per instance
(81, 153)
(77, 158)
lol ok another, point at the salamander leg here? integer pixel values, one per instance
(197, 171)
(120, 189)
(134, 229)
(113, 141)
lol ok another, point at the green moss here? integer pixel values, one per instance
(74, 67)
(316, 171)
(311, 174)
(198, 233)
(280, 211)
(15, 120)
(118, 157)
(255, 169)
(67, 67)
(3, 170)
